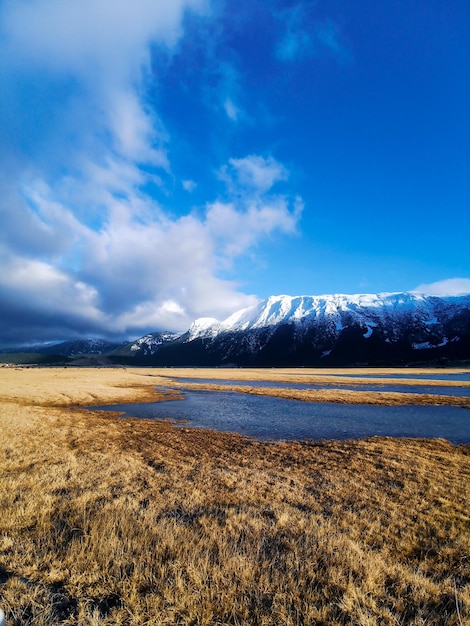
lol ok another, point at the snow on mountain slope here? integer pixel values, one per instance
(150, 343)
(368, 309)
(322, 330)
(203, 327)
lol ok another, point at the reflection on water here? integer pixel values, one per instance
(265, 417)
(431, 389)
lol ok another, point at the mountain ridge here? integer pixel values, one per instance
(327, 330)
(389, 328)
(281, 308)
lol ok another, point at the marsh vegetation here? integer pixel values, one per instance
(126, 521)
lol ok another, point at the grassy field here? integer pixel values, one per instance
(123, 521)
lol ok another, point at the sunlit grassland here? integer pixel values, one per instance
(122, 521)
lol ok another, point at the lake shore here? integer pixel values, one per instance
(126, 521)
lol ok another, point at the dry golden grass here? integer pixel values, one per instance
(113, 521)
(319, 375)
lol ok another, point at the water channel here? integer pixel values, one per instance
(457, 376)
(430, 389)
(271, 418)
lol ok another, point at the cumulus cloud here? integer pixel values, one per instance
(255, 210)
(86, 248)
(448, 287)
(239, 229)
(253, 173)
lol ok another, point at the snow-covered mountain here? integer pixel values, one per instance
(277, 310)
(328, 330)
(147, 345)
(321, 330)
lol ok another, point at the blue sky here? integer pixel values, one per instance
(167, 160)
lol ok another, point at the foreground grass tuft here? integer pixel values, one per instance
(111, 521)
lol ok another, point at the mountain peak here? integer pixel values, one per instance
(203, 326)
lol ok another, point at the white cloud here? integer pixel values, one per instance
(106, 39)
(127, 278)
(135, 132)
(253, 173)
(90, 61)
(85, 249)
(238, 229)
(231, 110)
(225, 94)
(255, 211)
(39, 286)
(153, 314)
(140, 270)
(449, 287)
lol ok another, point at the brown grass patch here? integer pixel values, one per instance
(125, 521)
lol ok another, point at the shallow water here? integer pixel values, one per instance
(457, 376)
(430, 389)
(264, 417)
